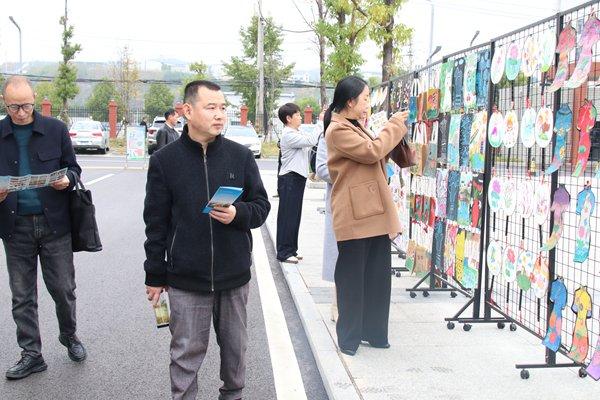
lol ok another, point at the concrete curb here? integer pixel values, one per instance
(337, 381)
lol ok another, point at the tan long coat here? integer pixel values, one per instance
(361, 200)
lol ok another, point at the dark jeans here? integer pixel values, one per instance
(363, 282)
(32, 238)
(291, 192)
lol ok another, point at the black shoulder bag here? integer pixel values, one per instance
(84, 229)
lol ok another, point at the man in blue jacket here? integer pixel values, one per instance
(35, 224)
(203, 260)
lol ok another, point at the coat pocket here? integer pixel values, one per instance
(366, 200)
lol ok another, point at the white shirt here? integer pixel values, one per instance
(294, 150)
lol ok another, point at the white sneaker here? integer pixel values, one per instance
(291, 260)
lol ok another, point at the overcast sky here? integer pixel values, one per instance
(208, 31)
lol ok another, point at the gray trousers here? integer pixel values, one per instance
(191, 314)
(32, 238)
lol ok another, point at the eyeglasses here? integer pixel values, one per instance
(27, 107)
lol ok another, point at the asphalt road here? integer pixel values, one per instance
(127, 356)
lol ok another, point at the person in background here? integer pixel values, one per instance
(144, 123)
(167, 133)
(364, 215)
(291, 181)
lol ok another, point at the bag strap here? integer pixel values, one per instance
(78, 184)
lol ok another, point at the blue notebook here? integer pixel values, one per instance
(224, 196)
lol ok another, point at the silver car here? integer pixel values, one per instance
(245, 136)
(89, 135)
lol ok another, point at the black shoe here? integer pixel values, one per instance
(26, 366)
(348, 352)
(385, 345)
(75, 349)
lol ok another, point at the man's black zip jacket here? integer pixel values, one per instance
(185, 248)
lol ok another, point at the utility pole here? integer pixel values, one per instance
(20, 45)
(260, 95)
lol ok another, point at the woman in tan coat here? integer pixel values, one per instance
(364, 216)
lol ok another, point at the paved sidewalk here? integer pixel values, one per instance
(426, 360)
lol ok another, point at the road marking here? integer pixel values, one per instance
(286, 373)
(98, 179)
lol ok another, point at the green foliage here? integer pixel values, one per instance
(125, 74)
(345, 30)
(65, 82)
(244, 71)
(373, 81)
(200, 71)
(102, 94)
(520, 80)
(308, 101)
(157, 100)
(47, 90)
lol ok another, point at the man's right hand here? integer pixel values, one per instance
(153, 293)
(3, 194)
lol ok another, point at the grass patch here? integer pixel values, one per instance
(270, 150)
(117, 146)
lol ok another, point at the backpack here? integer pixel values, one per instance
(313, 156)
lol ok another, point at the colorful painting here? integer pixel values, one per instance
(546, 48)
(470, 85)
(562, 127)
(528, 128)
(567, 41)
(454, 141)
(452, 200)
(477, 200)
(494, 257)
(525, 265)
(509, 196)
(582, 307)
(495, 194)
(459, 264)
(511, 134)
(450, 248)
(443, 131)
(585, 123)
(498, 63)
(560, 204)
(586, 203)
(513, 61)
(439, 235)
(589, 36)
(464, 199)
(446, 86)
(525, 194)
(558, 295)
(593, 368)
(509, 266)
(540, 277)
(466, 122)
(484, 64)
(530, 56)
(496, 129)
(441, 192)
(542, 202)
(458, 78)
(433, 104)
(430, 166)
(471, 261)
(544, 123)
(477, 141)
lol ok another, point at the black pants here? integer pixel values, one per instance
(291, 192)
(364, 282)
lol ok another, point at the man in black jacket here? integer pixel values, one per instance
(167, 133)
(35, 223)
(208, 256)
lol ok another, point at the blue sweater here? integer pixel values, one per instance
(28, 201)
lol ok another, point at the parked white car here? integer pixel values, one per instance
(89, 135)
(244, 135)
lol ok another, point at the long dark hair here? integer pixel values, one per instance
(347, 89)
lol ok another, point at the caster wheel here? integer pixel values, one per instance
(453, 294)
(467, 327)
(398, 274)
(501, 325)
(413, 295)
(582, 372)
(425, 294)
(524, 374)
(450, 325)
(513, 327)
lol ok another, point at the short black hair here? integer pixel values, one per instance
(287, 110)
(169, 112)
(191, 90)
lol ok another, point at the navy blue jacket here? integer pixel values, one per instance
(185, 248)
(50, 149)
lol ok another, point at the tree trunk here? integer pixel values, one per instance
(388, 48)
(322, 45)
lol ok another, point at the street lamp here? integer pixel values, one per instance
(437, 49)
(20, 44)
(474, 37)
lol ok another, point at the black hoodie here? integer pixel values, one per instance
(202, 254)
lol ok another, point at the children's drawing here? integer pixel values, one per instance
(439, 237)
(567, 41)
(543, 127)
(530, 56)
(509, 196)
(446, 86)
(562, 127)
(477, 200)
(484, 64)
(547, 47)
(496, 129)
(585, 123)
(525, 194)
(509, 266)
(466, 123)
(540, 277)
(542, 202)
(477, 141)
(450, 248)
(525, 264)
(586, 202)
(528, 127)
(511, 133)
(441, 192)
(593, 368)
(513, 61)
(464, 198)
(470, 84)
(471, 261)
(458, 76)
(582, 307)
(454, 141)
(494, 257)
(495, 194)
(560, 204)
(498, 62)
(589, 36)
(558, 295)
(459, 265)
(452, 200)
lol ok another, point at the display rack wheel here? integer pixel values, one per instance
(398, 274)
(501, 325)
(450, 325)
(513, 327)
(453, 294)
(413, 295)
(582, 372)
(524, 374)
(467, 327)
(425, 294)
